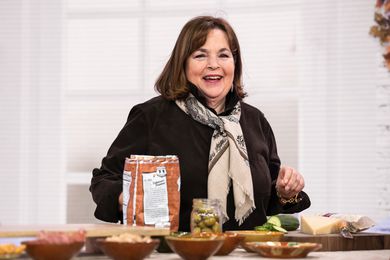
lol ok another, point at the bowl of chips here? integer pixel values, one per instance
(9, 251)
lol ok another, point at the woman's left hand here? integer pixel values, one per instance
(289, 183)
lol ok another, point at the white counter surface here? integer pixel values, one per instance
(241, 254)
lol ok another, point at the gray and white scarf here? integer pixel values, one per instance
(228, 159)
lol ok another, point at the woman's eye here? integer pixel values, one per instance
(199, 56)
(224, 55)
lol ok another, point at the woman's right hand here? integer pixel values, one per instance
(290, 182)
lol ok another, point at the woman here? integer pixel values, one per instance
(226, 147)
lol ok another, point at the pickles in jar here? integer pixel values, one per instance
(205, 217)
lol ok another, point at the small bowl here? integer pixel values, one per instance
(163, 246)
(10, 256)
(283, 249)
(10, 251)
(195, 248)
(39, 250)
(232, 240)
(127, 250)
(258, 236)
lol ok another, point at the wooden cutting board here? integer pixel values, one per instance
(93, 230)
(335, 242)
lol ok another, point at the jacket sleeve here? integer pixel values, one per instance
(106, 183)
(274, 205)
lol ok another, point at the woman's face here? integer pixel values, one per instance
(211, 67)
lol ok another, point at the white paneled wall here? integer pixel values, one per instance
(69, 79)
(95, 64)
(268, 43)
(101, 4)
(10, 107)
(32, 167)
(337, 120)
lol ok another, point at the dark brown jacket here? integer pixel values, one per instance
(159, 127)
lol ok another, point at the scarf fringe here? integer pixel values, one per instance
(242, 219)
(224, 213)
(247, 194)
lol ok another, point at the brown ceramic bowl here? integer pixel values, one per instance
(283, 249)
(258, 236)
(232, 240)
(195, 248)
(127, 250)
(39, 250)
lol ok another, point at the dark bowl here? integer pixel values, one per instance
(39, 250)
(127, 250)
(195, 248)
(232, 240)
(163, 246)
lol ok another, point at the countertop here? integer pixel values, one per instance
(242, 254)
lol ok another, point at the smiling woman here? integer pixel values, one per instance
(226, 148)
(65, 97)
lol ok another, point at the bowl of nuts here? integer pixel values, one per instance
(128, 246)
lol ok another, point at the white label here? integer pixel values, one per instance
(126, 193)
(156, 209)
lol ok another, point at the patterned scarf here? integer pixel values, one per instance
(228, 159)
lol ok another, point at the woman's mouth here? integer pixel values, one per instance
(212, 77)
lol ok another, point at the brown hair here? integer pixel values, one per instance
(172, 82)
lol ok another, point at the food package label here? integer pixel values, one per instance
(156, 197)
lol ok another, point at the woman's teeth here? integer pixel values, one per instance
(212, 77)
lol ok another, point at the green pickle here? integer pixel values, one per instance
(205, 216)
(209, 221)
(201, 224)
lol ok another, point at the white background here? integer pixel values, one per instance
(71, 70)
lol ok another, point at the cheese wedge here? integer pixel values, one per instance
(318, 225)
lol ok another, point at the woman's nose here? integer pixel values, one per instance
(212, 63)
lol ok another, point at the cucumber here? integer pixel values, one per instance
(282, 223)
(265, 227)
(288, 222)
(275, 221)
(276, 228)
(270, 227)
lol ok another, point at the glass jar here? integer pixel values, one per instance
(206, 216)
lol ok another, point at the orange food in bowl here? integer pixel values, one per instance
(8, 251)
